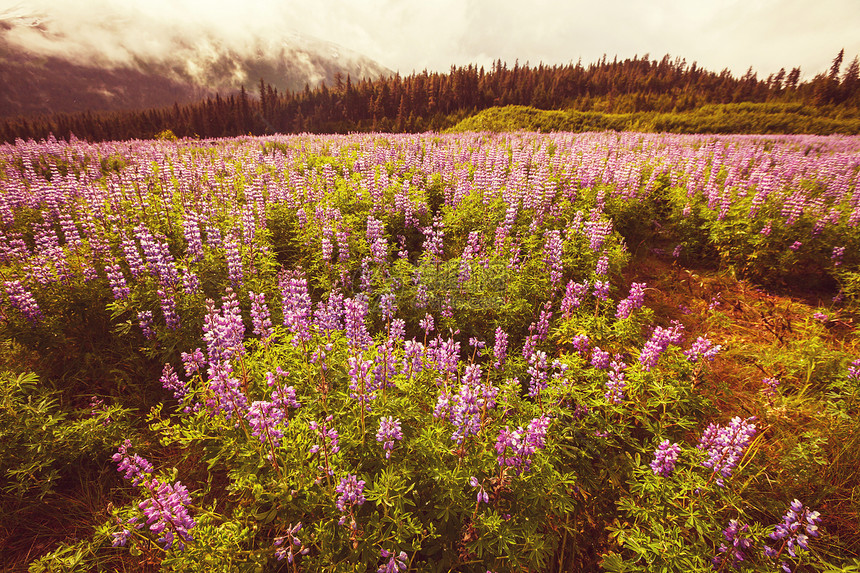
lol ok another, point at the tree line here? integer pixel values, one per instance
(434, 101)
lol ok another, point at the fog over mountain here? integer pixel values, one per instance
(57, 64)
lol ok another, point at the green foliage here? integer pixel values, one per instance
(715, 118)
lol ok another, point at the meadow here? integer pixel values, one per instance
(479, 351)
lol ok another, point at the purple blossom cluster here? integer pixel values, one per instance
(635, 299)
(616, 382)
(170, 381)
(288, 546)
(389, 430)
(266, 420)
(465, 408)
(665, 457)
(724, 446)
(351, 490)
(327, 441)
(854, 370)
(234, 263)
(792, 535)
(145, 320)
(660, 340)
(500, 348)
(771, 388)
(702, 348)
(118, 285)
(395, 563)
(166, 513)
(553, 252)
(296, 305)
(21, 299)
(732, 551)
(482, 495)
(260, 318)
(514, 448)
(133, 467)
(165, 509)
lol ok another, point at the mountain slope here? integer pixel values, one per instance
(42, 83)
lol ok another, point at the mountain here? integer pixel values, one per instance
(45, 81)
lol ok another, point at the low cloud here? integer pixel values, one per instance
(407, 35)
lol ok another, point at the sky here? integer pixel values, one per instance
(408, 35)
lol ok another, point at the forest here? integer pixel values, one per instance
(438, 101)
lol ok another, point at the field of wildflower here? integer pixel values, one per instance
(473, 352)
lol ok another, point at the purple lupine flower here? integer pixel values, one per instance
(725, 446)
(395, 564)
(854, 370)
(351, 491)
(224, 331)
(413, 356)
(500, 349)
(21, 299)
(573, 295)
(397, 329)
(288, 551)
(665, 457)
(616, 382)
(387, 306)
(234, 262)
(132, 256)
(702, 348)
(166, 513)
(482, 496)
(795, 246)
(296, 304)
(190, 282)
(597, 230)
(660, 340)
(145, 321)
(771, 388)
(522, 444)
(328, 315)
(732, 550)
(134, 467)
(360, 383)
(820, 316)
(120, 538)
(193, 239)
(260, 315)
(581, 343)
(599, 358)
(464, 408)
(168, 308)
(426, 324)
(389, 430)
(836, 255)
(355, 311)
(601, 290)
(117, 282)
(602, 266)
(193, 361)
(553, 252)
(227, 395)
(798, 525)
(633, 301)
(433, 238)
(170, 381)
(537, 372)
(265, 419)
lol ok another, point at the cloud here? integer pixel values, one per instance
(409, 35)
